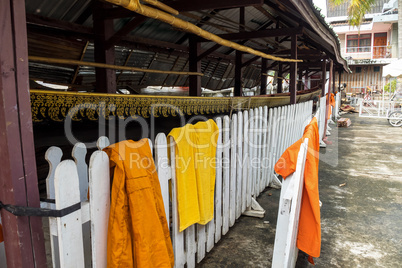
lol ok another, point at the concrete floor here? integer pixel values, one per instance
(361, 221)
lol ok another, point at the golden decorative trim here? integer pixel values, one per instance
(56, 105)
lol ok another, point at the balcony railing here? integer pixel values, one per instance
(369, 52)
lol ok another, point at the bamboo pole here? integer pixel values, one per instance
(107, 66)
(134, 5)
(162, 6)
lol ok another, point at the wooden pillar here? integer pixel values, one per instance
(238, 74)
(103, 30)
(194, 66)
(339, 79)
(24, 243)
(333, 81)
(280, 78)
(293, 71)
(264, 70)
(238, 86)
(323, 76)
(331, 77)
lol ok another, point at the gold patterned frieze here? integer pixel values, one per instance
(56, 105)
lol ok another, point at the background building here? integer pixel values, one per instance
(369, 48)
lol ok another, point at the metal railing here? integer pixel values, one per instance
(367, 52)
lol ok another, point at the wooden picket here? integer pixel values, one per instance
(233, 182)
(225, 174)
(249, 144)
(218, 184)
(285, 251)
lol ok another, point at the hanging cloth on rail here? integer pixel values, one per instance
(138, 234)
(309, 233)
(332, 104)
(195, 171)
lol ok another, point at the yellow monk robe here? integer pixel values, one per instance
(138, 233)
(309, 233)
(195, 171)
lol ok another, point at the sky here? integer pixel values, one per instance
(321, 4)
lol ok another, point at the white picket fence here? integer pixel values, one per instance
(249, 144)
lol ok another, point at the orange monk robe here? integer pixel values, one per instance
(309, 233)
(332, 103)
(138, 233)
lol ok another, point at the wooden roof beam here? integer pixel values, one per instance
(208, 51)
(250, 61)
(300, 52)
(118, 13)
(57, 27)
(194, 5)
(125, 30)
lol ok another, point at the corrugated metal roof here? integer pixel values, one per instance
(218, 74)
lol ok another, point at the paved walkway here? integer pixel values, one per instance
(361, 192)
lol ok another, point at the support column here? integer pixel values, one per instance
(333, 81)
(339, 79)
(103, 30)
(323, 76)
(24, 243)
(293, 71)
(264, 70)
(194, 66)
(280, 78)
(238, 86)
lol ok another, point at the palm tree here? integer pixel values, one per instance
(357, 9)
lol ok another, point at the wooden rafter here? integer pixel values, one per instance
(125, 30)
(193, 5)
(78, 67)
(263, 33)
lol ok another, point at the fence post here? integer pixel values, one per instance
(178, 237)
(239, 163)
(163, 170)
(232, 183)
(226, 170)
(246, 160)
(218, 184)
(69, 227)
(99, 194)
(53, 157)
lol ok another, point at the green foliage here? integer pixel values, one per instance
(356, 11)
(390, 86)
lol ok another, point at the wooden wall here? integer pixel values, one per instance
(357, 81)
